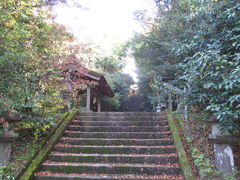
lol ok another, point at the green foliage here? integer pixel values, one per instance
(31, 43)
(47, 145)
(35, 126)
(153, 51)
(111, 104)
(183, 159)
(120, 84)
(212, 67)
(111, 67)
(229, 178)
(205, 168)
(108, 64)
(196, 43)
(7, 173)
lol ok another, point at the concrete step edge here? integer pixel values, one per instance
(119, 122)
(118, 126)
(121, 113)
(148, 160)
(116, 150)
(103, 176)
(114, 139)
(54, 163)
(116, 142)
(113, 155)
(139, 132)
(119, 146)
(111, 168)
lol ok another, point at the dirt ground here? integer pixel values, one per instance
(198, 132)
(22, 151)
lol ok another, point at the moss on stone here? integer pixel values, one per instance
(180, 121)
(47, 146)
(184, 162)
(107, 150)
(87, 149)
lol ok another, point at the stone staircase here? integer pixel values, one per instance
(113, 145)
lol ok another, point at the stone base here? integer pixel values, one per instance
(5, 147)
(84, 109)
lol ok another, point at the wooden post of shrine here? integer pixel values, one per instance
(88, 101)
(99, 104)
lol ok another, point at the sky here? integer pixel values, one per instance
(103, 22)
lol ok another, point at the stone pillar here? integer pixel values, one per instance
(99, 104)
(158, 108)
(180, 104)
(170, 101)
(5, 148)
(185, 106)
(88, 100)
(223, 153)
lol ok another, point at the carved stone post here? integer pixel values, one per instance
(223, 151)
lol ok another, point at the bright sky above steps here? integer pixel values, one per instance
(104, 22)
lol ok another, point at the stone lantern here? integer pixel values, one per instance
(7, 136)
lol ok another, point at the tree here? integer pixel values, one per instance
(197, 43)
(154, 49)
(111, 67)
(31, 43)
(211, 66)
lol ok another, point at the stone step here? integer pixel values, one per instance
(118, 128)
(107, 168)
(115, 149)
(120, 114)
(119, 123)
(120, 118)
(130, 135)
(99, 141)
(114, 145)
(64, 176)
(113, 158)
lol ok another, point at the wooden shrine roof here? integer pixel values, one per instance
(102, 87)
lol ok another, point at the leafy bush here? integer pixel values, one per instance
(196, 43)
(7, 172)
(31, 45)
(35, 127)
(212, 71)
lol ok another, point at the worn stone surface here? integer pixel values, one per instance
(117, 128)
(111, 158)
(120, 123)
(224, 159)
(223, 139)
(133, 135)
(223, 152)
(5, 147)
(216, 130)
